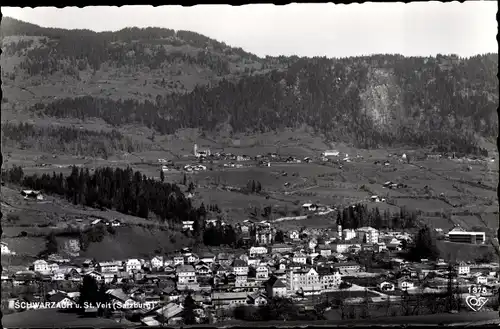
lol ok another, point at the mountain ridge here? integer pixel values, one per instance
(169, 80)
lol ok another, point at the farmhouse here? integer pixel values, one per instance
(309, 206)
(32, 195)
(41, 266)
(328, 153)
(6, 250)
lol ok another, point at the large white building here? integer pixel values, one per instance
(369, 233)
(329, 278)
(132, 265)
(457, 234)
(305, 280)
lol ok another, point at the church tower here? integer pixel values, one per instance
(195, 150)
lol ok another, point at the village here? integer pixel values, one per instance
(309, 267)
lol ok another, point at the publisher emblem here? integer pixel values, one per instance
(476, 303)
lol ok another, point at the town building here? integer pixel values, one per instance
(41, 266)
(348, 234)
(5, 249)
(457, 234)
(132, 265)
(276, 288)
(113, 266)
(302, 280)
(368, 234)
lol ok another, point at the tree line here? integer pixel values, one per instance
(68, 140)
(326, 94)
(125, 191)
(358, 215)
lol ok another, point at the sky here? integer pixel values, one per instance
(414, 29)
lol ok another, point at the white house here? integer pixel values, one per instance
(58, 276)
(262, 272)
(240, 267)
(257, 251)
(294, 235)
(329, 279)
(309, 207)
(348, 234)
(41, 266)
(299, 258)
(192, 258)
(132, 265)
(109, 267)
(405, 284)
(178, 260)
(463, 268)
(329, 153)
(186, 274)
(187, 225)
(157, 262)
(386, 286)
(6, 250)
(482, 279)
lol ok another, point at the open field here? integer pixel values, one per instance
(318, 182)
(464, 251)
(438, 222)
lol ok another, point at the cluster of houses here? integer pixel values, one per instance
(307, 263)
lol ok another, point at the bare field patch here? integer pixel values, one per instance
(318, 222)
(422, 204)
(467, 222)
(491, 220)
(438, 222)
(129, 242)
(463, 251)
(30, 246)
(230, 200)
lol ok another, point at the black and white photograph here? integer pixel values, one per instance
(261, 165)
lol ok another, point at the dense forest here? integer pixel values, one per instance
(370, 101)
(358, 215)
(68, 140)
(125, 191)
(329, 95)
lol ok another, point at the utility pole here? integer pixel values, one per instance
(450, 286)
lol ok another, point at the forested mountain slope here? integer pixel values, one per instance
(44, 63)
(369, 101)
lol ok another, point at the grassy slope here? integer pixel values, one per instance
(140, 237)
